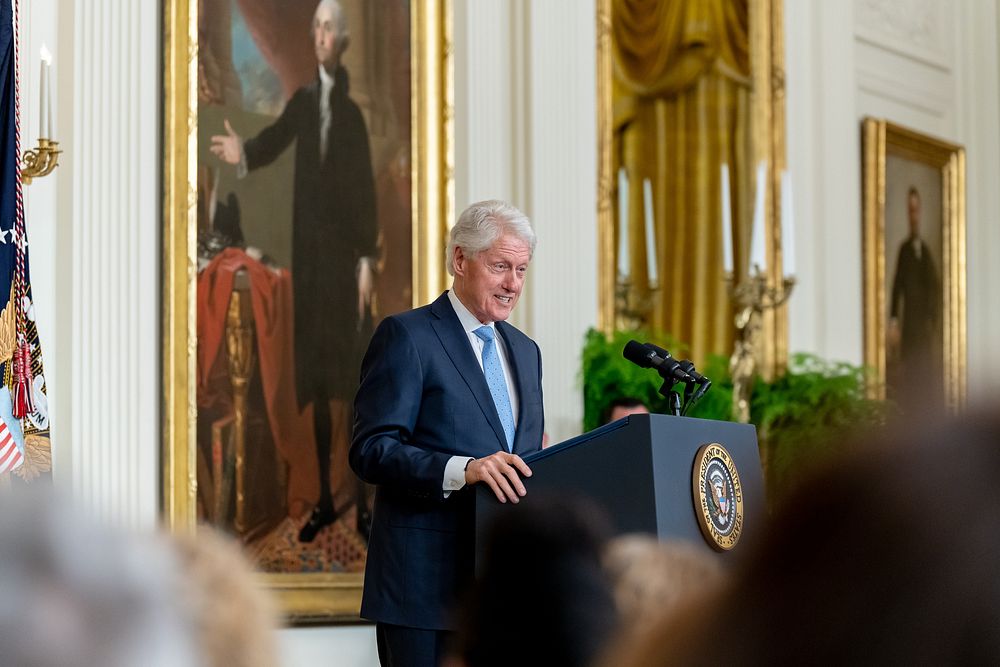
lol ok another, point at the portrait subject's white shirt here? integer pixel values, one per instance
(325, 86)
(454, 470)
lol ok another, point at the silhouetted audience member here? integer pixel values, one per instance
(74, 592)
(889, 557)
(622, 407)
(234, 619)
(653, 579)
(542, 597)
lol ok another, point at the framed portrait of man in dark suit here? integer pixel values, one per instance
(307, 152)
(914, 267)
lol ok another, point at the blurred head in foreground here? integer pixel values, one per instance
(889, 557)
(652, 579)
(541, 597)
(74, 592)
(233, 618)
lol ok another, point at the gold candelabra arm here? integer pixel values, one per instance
(40, 161)
(633, 307)
(752, 296)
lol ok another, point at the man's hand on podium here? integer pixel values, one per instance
(500, 472)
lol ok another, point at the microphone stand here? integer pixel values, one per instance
(673, 398)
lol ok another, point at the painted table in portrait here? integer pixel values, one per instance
(307, 154)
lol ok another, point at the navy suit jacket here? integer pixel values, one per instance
(423, 399)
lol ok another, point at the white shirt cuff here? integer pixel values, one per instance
(241, 168)
(454, 474)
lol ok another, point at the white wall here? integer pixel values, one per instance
(93, 228)
(928, 65)
(525, 131)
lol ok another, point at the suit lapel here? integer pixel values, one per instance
(310, 138)
(514, 355)
(456, 344)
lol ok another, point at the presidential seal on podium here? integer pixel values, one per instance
(718, 497)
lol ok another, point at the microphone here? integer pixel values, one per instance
(646, 356)
(691, 374)
(703, 382)
(688, 367)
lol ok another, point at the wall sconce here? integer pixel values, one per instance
(41, 160)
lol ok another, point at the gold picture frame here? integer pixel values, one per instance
(767, 136)
(304, 597)
(897, 162)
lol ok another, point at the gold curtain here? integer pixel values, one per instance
(681, 95)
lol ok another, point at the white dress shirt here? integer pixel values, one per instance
(454, 470)
(325, 86)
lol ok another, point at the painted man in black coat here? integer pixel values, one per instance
(915, 308)
(334, 235)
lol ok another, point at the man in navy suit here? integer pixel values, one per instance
(450, 397)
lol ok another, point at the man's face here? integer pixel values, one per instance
(490, 283)
(326, 35)
(620, 411)
(913, 208)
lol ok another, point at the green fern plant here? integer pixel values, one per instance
(801, 417)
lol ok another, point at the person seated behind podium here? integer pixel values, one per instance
(623, 407)
(889, 557)
(450, 397)
(542, 597)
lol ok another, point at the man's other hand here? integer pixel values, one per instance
(227, 147)
(500, 472)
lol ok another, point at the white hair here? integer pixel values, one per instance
(338, 12)
(482, 223)
(76, 592)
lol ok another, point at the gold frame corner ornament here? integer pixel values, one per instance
(881, 138)
(304, 598)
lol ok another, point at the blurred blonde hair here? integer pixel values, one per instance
(233, 617)
(653, 579)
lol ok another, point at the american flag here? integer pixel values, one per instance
(11, 457)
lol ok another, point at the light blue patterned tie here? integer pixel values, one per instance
(498, 386)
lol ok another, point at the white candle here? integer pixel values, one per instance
(787, 225)
(727, 222)
(623, 267)
(45, 94)
(647, 200)
(758, 254)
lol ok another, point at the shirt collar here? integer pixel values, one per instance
(469, 321)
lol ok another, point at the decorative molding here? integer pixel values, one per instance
(932, 102)
(917, 29)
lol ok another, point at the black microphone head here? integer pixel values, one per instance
(638, 354)
(659, 351)
(688, 367)
(668, 366)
